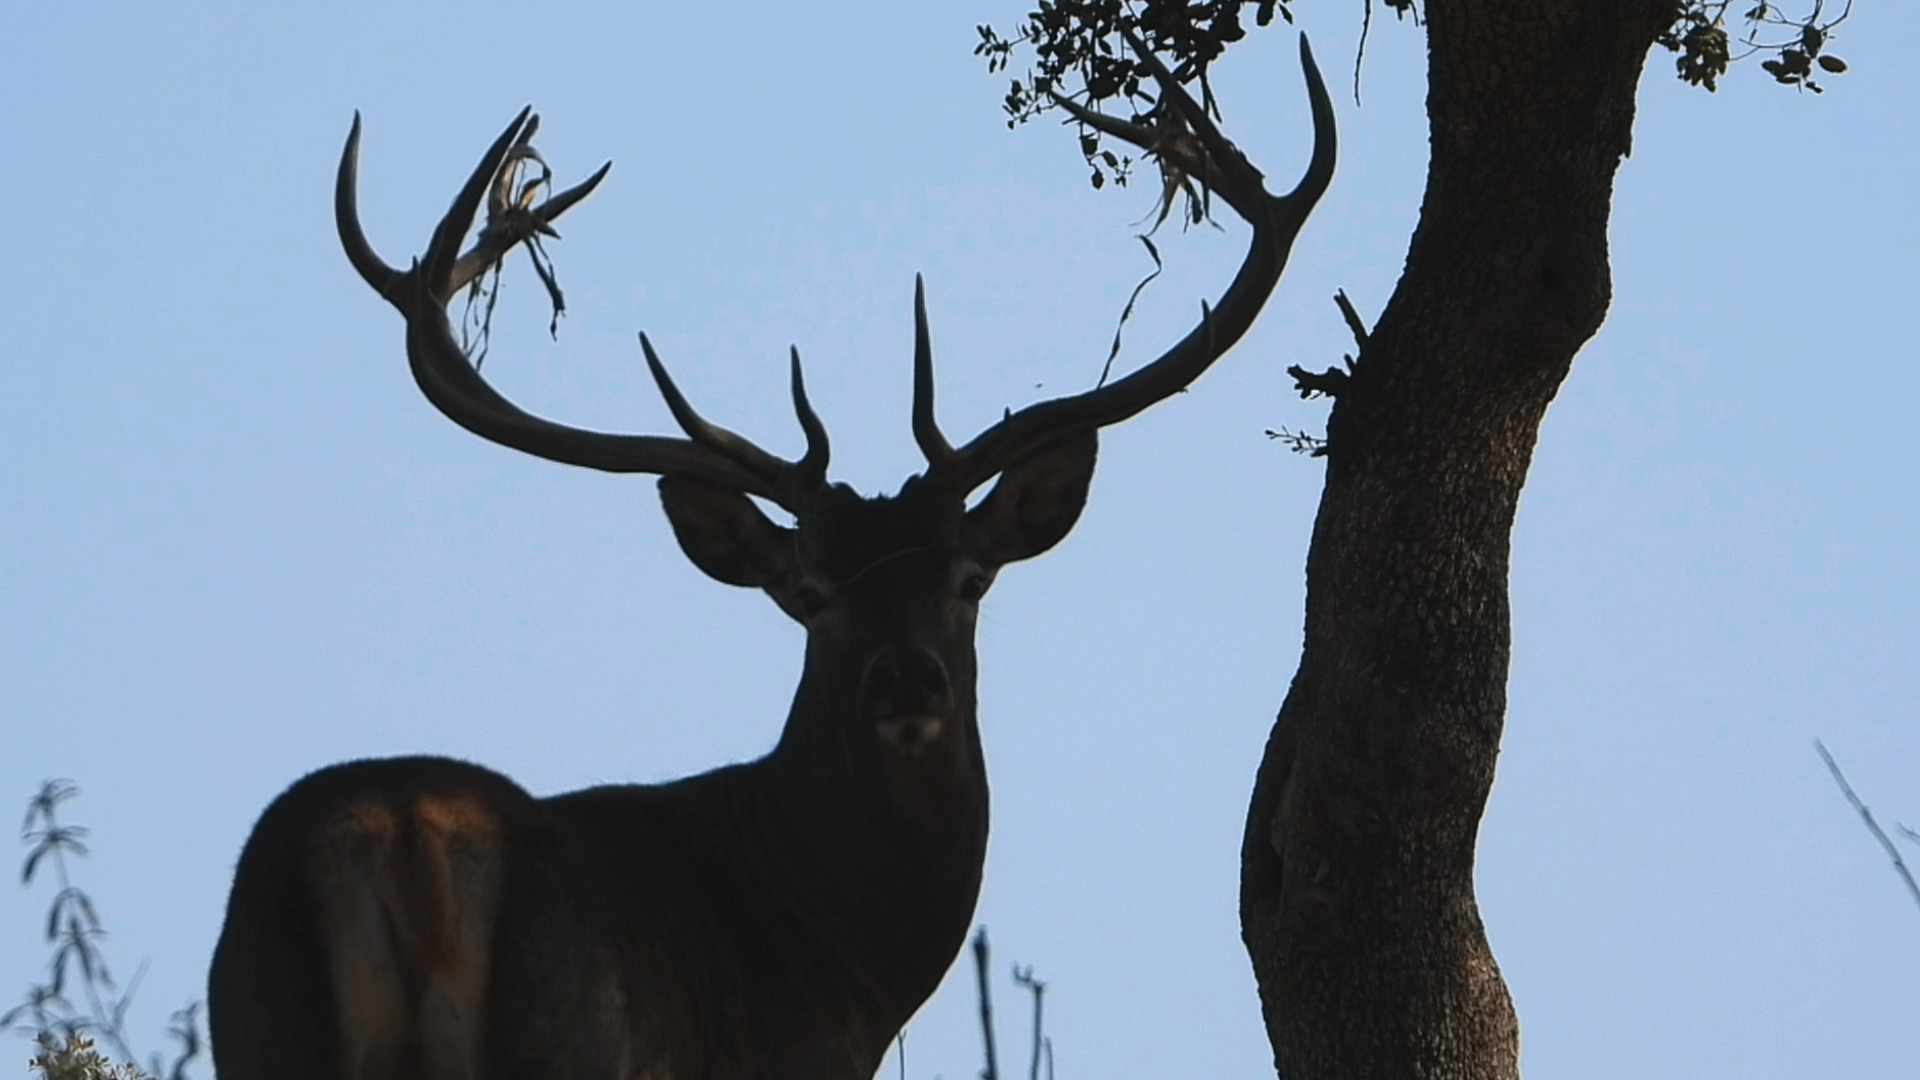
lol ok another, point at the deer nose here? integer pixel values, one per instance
(906, 679)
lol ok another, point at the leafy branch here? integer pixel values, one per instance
(1797, 43)
(74, 931)
(1080, 54)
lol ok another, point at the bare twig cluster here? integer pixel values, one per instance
(1329, 383)
(1041, 1048)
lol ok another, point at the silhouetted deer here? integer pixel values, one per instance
(423, 917)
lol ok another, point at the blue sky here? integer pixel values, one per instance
(238, 545)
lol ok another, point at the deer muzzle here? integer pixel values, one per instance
(909, 695)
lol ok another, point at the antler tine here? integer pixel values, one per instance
(1276, 221)
(510, 228)
(791, 483)
(926, 430)
(458, 219)
(506, 226)
(443, 250)
(346, 218)
(563, 202)
(508, 223)
(1225, 167)
(500, 195)
(811, 469)
(1228, 171)
(1313, 183)
(441, 368)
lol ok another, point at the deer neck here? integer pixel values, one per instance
(884, 848)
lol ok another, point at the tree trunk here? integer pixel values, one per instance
(1357, 902)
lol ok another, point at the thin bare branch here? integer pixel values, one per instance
(1024, 977)
(992, 1071)
(1866, 815)
(1354, 323)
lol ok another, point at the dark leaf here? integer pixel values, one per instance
(47, 800)
(86, 909)
(33, 863)
(59, 968)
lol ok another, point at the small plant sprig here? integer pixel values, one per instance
(76, 1059)
(64, 1032)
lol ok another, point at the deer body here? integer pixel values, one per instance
(779, 918)
(427, 918)
(689, 929)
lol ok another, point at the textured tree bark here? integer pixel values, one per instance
(1357, 903)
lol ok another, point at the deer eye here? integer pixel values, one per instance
(973, 587)
(810, 601)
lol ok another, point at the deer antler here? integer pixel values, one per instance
(451, 383)
(1276, 221)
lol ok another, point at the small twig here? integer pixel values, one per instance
(1312, 384)
(1353, 318)
(1024, 977)
(1360, 53)
(1299, 442)
(1866, 815)
(992, 1071)
(1331, 382)
(183, 1028)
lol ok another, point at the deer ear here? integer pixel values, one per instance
(1035, 502)
(724, 534)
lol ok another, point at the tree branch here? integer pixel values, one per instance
(1866, 815)
(1353, 318)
